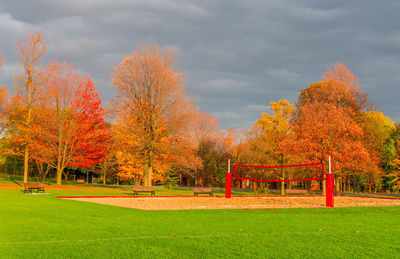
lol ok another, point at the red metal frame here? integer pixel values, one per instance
(280, 166)
(228, 183)
(330, 190)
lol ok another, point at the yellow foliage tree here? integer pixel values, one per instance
(275, 131)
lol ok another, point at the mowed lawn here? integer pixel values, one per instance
(43, 226)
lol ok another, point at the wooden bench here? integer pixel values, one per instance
(198, 191)
(296, 191)
(144, 189)
(29, 187)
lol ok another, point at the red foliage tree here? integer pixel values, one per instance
(73, 131)
(92, 133)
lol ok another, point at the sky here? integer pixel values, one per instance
(236, 56)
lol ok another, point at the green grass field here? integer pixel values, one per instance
(42, 226)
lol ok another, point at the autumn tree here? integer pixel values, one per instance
(128, 152)
(151, 96)
(28, 93)
(206, 134)
(275, 131)
(326, 122)
(391, 157)
(73, 131)
(93, 133)
(204, 126)
(4, 104)
(394, 175)
(338, 87)
(378, 129)
(108, 164)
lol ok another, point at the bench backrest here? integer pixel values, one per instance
(202, 190)
(31, 184)
(296, 191)
(143, 188)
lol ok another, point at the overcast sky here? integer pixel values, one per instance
(236, 56)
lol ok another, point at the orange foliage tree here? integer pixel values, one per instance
(152, 100)
(3, 102)
(22, 120)
(326, 122)
(73, 131)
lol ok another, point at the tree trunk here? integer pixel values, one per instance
(148, 171)
(26, 164)
(66, 176)
(338, 185)
(59, 175)
(44, 175)
(104, 178)
(283, 177)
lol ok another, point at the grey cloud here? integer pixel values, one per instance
(236, 56)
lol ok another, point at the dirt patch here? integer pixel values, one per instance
(188, 203)
(11, 186)
(66, 187)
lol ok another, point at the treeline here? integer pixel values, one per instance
(334, 118)
(55, 123)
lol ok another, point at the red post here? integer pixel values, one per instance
(228, 185)
(330, 186)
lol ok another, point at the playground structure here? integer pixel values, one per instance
(318, 177)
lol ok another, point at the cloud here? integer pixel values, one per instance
(236, 56)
